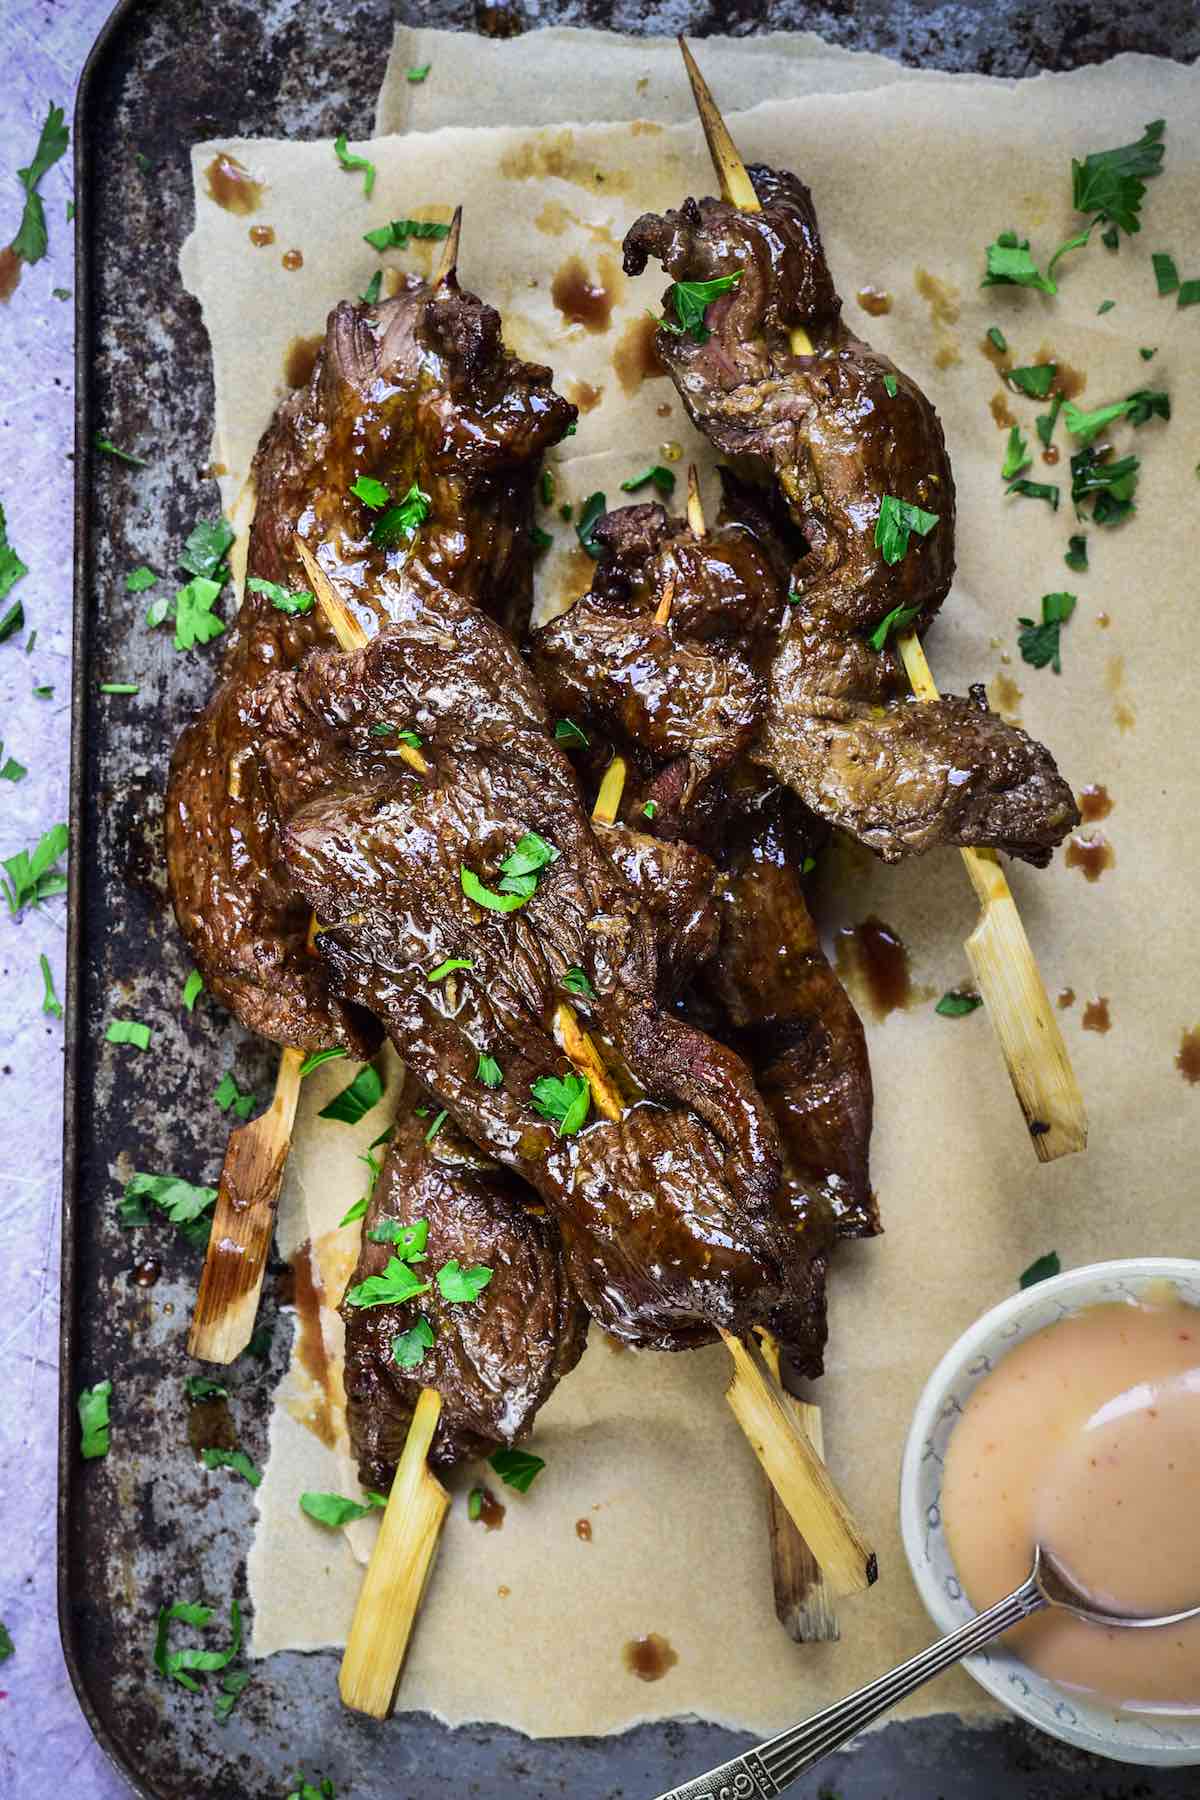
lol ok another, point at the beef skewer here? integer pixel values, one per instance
(998, 949)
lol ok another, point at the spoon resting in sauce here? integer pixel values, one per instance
(783, 1758)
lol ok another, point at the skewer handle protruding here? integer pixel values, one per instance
(804, 1605)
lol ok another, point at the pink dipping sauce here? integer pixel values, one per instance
(1087, 1438)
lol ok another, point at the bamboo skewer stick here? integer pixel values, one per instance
(695, 506)
(390, 1595)
(608, 800)
(662, 611)
(804, 1604)
(999, 950)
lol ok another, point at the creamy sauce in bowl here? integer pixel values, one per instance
(1086, 1436)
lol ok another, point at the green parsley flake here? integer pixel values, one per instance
(11, 769)
(408, 1241)
(663, 480)
(576, 982)
(593, 510)
(1035, 490)
(1039, 644)
(898, 620)
(185, 1205)
(564, 1100)
(394, 1287)
(542, 540)
(334, 1510)
(119, 687)
(474, 889)
(1076, 556)
(956, 1005)
(31, 240)
(44, 691)
(891, 386)
(280, 598)
(195, 621)
(690, 301)
(6, 1644)
(1148, 355)
(372, 493)
(400, 523)
(1045, 422)
(517, 1468)
(650, 808)
(418, 74)
(237, 1460)
(206, 548)
(233, 1685)
(438, 1121)
(1139, 408)
(462, 1285)
(92, 1406)
(229, 1097)
(567, 732)
(199, 1388)
(355, 1101)
(1111, 484)
(316, 1057)
(139, 579)
(349, 162)
(1166, 275)
(106, 445)
(409, 1347)
(997, 339)
(1041, 1270)
(1189, 293)
(11, 571)
(1016, 456)
(475, 1503)
(1035, 379)
(396, 234)
(128, 1031)
(1105, 306)
(32, 876)
(488, 1070)
(184, 1665)
(193, 987)
(447, 968)
(51, 1004)
(1009, 264)
(370, 294)
(897, 520)
(1112, 183)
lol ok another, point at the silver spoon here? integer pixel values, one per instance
(775, 1764)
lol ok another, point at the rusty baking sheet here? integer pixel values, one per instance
(147, 1524)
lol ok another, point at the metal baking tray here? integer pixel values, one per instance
(146, 1524)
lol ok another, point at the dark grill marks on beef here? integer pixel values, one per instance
(494, 1360)
(684, 698)
(418, 388)
(667, 1215)
(829, 441)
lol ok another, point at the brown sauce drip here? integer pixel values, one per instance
(1007, 698)
(300, 359)
(875, 301)
(649, 1657)
(1001, 360)
(210, 1426)
(663, 411)
(210, 471)
(583, 1530)
(1095, 802)
(585, 396)
(1095, 1015)
(940, 297)
(10, 272)
(262, 235)
(1124, 716)
(503, 1591)
(232, 186)
(144, 1274)
(947, 354)
(580, 299)
(311, 1354)
(1002, 412)
(636, 360)
(1188, 1060)
(1066, 997)
(1050, 454)
(491, 1510)
(1103, 621)
(873, 961)
(558, 158)
(1067, 381)
(293, 259)
(1091, 854)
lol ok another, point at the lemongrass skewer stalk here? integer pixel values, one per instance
(804, 1604)
(999, 950)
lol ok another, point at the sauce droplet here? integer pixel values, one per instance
(232, 186)
(580, 299)
(670, 451)
(940, 297)
(1095, 802)
(585, 396)
(1091, 854)
(872, 959)
(293, 259)
(1067, 381)
(634, 357)
(583, 1530)
(1096, 1015)
(1006, 698)
(144, 1274)
(261, 235)
(10, 272)
(491, 1510)
(1050, 453)
(1002, 412)
(1188, 1060)
(1066, 997)
(875, 301)
(649, 1657)
(300, 360)
(314, 1409)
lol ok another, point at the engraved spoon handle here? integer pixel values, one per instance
(775, 1764)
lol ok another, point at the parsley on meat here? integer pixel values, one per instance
(31, 239)
(407, 1241)
(349, 162)
(439, 1121)
(898, 620)
(564, 1100)
(567, 732)
(891, 386)
(409, 1347)
(690, 301)
(396, 1285)
(372, 493)
(576, 982)
(401, 522)
(92, 1406)
(519, 875)
(462, 1285)
(32, 876)
(897, 520)
(488, 1070)
(447, 968)
(517, 1468)
(594, 508)
(1040, 644)
(370, 294)
(280, 597)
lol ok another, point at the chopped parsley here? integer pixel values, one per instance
(200, 1387)
(280, 598)
(92, 1406)
(546, 487)
(31, 239)
(372, 493)
(193, 987)
(355, 1101)
(1039, 644)
(1189, 293)
(1041, 1270)
(474, 889)
(475, 1503)
(593, 510)
(370, 294)
(542, 540)
(1016, 456)
(11, 571)
(446, 968)
(316, 1057)
(6, 1644)
(1111, 184)
(997, 339)
(897, 520)
(185, 1205)
(232, 1686)
(663, 480)
(438, 1121)
(119, 687)
(563, 1099)
(1139, 408)
(891, 386)
(650, 808)
(1111, 484)
(898, 620)
(407, 1241)
(519, 875)
(14, 618)
(195, 621)
(1045, 422)
(690, 301)
(1035, 490)
(956, 1005)
(488, 1070)
(395, 234)
(401, 522)
(1009, 264)
(114, 450)
(229, 1097)
(350, 162)
(517, 1468)
(1036, 379)
(1166, 275)
(184, 1665)
(139, 579)
(418, 74)
(386, 728)
(51, 1004)
(462, 1285)
(32, 876)
(1148, 355)
(394, 1287)
(1076, 556)
(1105, 306)
(43, 691)
(334, 1510)
(409, 1347)
(576, 982)
(11, 769)
(567, 732)
(237, 1460)
(128, 1031)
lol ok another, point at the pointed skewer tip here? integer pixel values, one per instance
(448, 264)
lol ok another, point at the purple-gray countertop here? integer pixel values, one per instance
(46, 1748)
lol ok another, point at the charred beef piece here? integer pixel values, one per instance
(828, 441)
(676, 883)
(682, 699)
(494, 1360)
(418, 388)
(667, 1214)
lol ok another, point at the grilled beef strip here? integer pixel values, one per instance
(416, 388)
(826, 439)
(668, 1215)
(495, 1360)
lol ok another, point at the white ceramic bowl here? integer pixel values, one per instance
(1142, 1738)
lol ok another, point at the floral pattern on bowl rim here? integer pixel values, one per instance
(1160, 1739)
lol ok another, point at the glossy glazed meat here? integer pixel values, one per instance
(668, 1212)
(828, 436)
(677, 884)
(494, 1360)
(416, 389)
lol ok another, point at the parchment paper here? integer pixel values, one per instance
(526, 1626)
